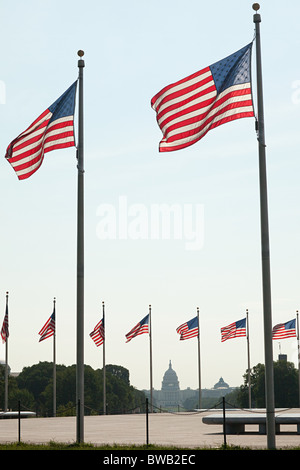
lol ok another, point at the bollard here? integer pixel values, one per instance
(19, 421)
(147, 425)
(224, 422)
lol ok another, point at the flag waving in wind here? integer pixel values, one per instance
(53, 129)
(234, 330)
(188, 109)
(48, 329)
(284, 330)
(97, 334)
(188, 329)
(4, 329)
(139, 329)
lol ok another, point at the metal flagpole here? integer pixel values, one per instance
(150, 341)
(6, 362)
(80, 261)
(199, 363)
(104, 369)
(54, 361)
(249, 370)
(298, 345)
(266, 277)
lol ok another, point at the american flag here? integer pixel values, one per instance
(4, 329)
(284, 330)
(139, 329)
(97, 334)
(189, 108)
(48, 329)
(53, 129)
(234, 330)
(188, 329)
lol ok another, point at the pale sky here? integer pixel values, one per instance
(132, 50)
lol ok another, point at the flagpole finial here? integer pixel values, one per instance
(80, 53)
(256, 6)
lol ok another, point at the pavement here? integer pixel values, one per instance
(185, 430)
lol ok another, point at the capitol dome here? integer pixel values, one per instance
(170, 380)
(221, 384)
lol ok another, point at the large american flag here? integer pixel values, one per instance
(48, 329)
(189, 108)
(284, 330)
(53, 129)
(234, 330)
(97, 334)
(4, 329)
(139, 329)
(188, 329)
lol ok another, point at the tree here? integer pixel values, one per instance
(37, 382)
(285, 386)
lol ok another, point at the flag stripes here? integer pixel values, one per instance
(234, 330)
(4, 329)
(48, 329)
(53, 129)
(284, 330)
(188, 329)
(139, 329)
(189, 108)
(97, 334)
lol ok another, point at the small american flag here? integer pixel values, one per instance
(189, 108)
(139, 329)
(188, 329)
(48, 329)
(97, 334)
(53, 129)
(284, 330)
(4, 329)
(234, 330)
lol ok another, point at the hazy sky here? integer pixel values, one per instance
(132, 50)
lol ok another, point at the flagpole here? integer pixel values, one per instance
(104, 368)
(266, 277)
(6, 364)
(80, 261)
(54, 361)
(298, 354)
(248, 351)
(199, 363)
(150, 342)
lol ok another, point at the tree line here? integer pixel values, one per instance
(286, 386)
(286, 389)
(33, 389)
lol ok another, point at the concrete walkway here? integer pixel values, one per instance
(181, 429)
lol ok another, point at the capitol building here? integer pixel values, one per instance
(170, 395)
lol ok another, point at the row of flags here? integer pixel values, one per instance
(185, 111)
(187, 330)
(190, 329)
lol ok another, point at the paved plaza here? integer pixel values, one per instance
(178, 429)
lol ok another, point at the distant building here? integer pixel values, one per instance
(170, 396)
(220, 389)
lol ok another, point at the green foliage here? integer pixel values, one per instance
(34, 389)
(285, 386)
